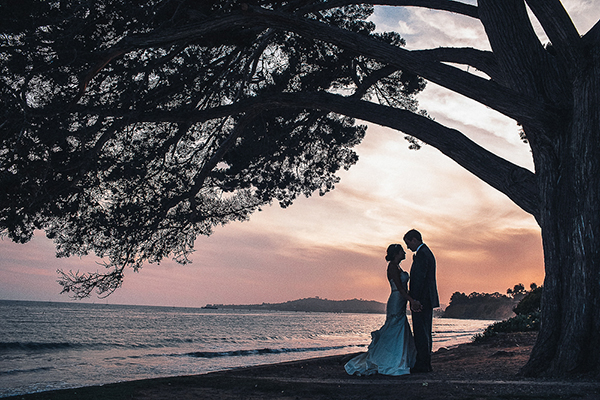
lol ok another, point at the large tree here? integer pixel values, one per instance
(129, 130)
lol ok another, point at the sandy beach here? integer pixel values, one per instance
(487, 370)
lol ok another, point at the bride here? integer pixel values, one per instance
(392, 350)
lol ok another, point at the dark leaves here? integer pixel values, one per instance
(119, 146)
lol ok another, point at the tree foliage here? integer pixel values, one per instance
(517, 290)
(129, 129)
(476, 298)
(531, 303)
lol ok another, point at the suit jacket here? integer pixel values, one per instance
(423, 285)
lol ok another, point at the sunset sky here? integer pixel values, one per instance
(334, 246)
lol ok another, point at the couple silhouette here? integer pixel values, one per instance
(393, 349)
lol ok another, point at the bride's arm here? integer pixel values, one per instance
(394, 274)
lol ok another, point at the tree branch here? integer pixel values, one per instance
(95, 70)
(482, 60)
(81, 286)
(558, 26)
(187, 34)
(592, 37)
(373, 79)
(443, 5)
(530, 70)
(524, 109)
(518, 183)
(218, 155)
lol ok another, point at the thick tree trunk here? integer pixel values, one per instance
(569, 173)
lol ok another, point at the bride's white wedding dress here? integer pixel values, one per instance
(392, 350)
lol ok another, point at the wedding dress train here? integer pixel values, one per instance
(392, 350)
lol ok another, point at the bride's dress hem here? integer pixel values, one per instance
(392, 350)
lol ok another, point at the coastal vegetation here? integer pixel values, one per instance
(527, 316)
(494, 306)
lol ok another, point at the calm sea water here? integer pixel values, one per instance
(46, 346)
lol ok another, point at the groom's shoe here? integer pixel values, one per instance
(419, 370)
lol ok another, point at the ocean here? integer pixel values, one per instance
(49, 345)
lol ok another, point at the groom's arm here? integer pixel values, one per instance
(418, 277)
(422, 272)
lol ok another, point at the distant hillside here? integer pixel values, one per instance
(493, 306)
(314, 304)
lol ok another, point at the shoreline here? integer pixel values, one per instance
(483, 370)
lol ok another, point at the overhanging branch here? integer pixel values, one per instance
(373, 78)
(482, 60)
(218, 155)
(558, 26)
(524, 109)
(443, 5)
(518, 183)
(530, 70)
(521, 108)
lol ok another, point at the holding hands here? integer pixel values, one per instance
(415, 305)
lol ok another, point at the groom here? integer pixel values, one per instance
(423, 288)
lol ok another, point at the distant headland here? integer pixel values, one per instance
(311, 304)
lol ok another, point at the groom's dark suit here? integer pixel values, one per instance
(423, 287)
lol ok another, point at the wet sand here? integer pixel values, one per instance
(487, 370)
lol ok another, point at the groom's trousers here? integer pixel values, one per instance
(422, 327)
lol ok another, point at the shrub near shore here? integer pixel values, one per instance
(527, 317)
(494, 306)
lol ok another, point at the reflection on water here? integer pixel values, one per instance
(47, 346)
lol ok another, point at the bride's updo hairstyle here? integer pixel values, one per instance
(392, 251)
